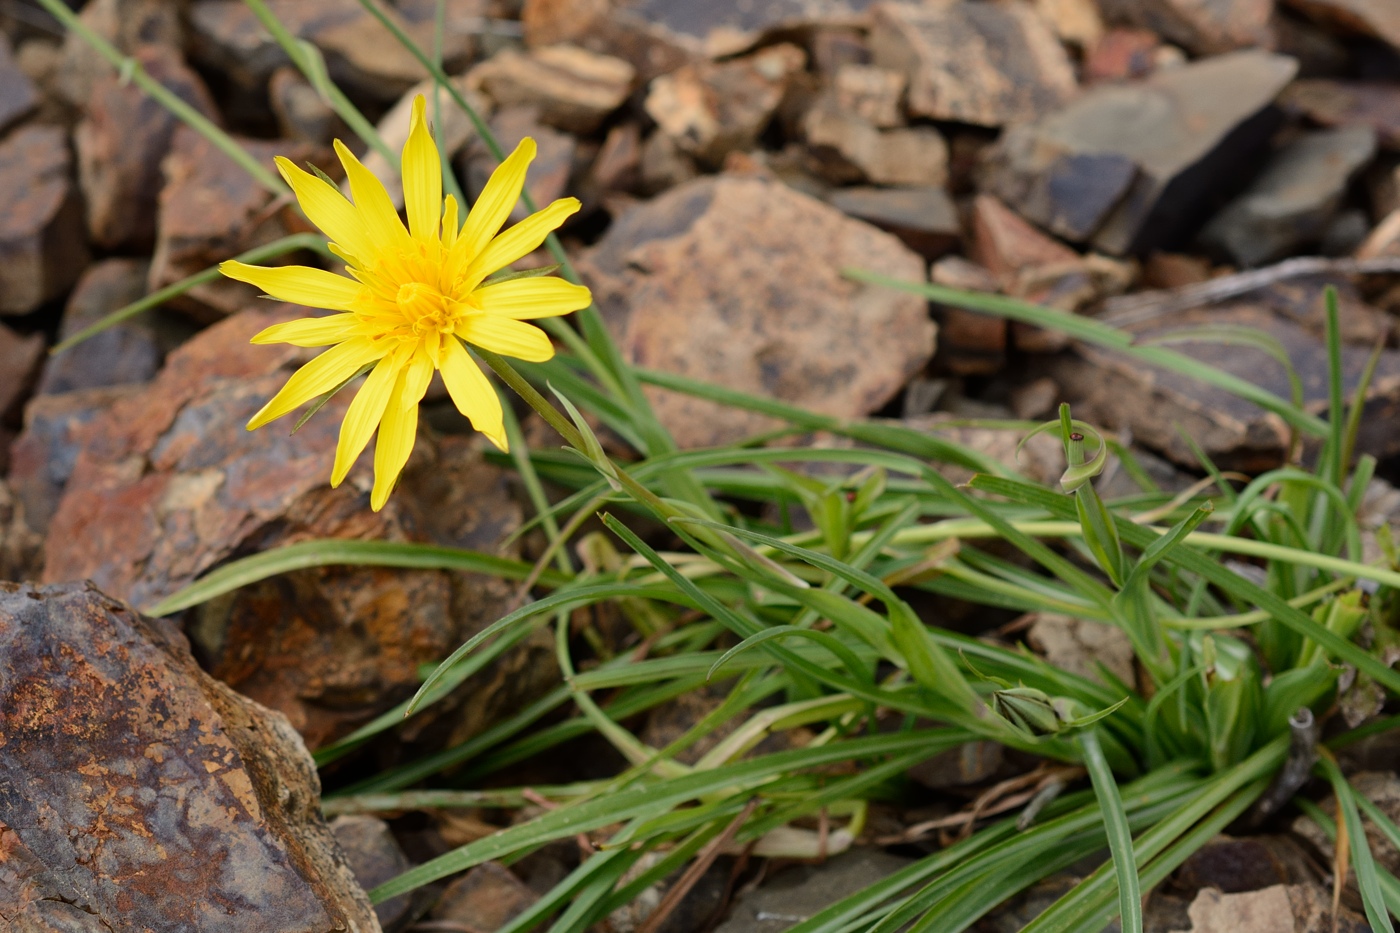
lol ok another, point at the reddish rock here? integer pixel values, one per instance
(18, 95)
(168, 484)
(844, 148)
(617, 167)
(121, 141)
(983, 63)
(969, 343)
(1122, 54)
(42, 246)
(134, 780)
(128, 25)
(708, 281)
(573, 89)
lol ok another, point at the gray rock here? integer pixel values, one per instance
(1133, 167)
(18, 95)
(1343, 103)
(802, 890)
(1293, 199)
(925, 218)
(374, 857)
(20, 356)
(1205, 27)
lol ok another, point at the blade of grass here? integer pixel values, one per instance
(1120, 840)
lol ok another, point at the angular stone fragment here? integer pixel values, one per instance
(617, 167)
(1347, 103)
(302, 113)
(126, 24)
(168, 484)
(1205, 27)
(969, 343)
(1293, 908)
(845, 148)
(19, 363)
(1077, 22)
(121, 141)
(18, 95)
(1122, 54)
(983, 63)
(874, 94)
(710, 110)
(925, 218)
(212, 209)
(1132, 167)
(549, 173)
(573, 88)
(1378, 18)
(709, 282)
(803, 890)
(42, 246)
(374, 856)
(1295, 196)
(140, 793)
(487, 897)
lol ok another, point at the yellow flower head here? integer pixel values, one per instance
(416, 295)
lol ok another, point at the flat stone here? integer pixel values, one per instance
(574, 89)
(487, 897)
(708, 281)
(970, 343)
(1205, 27)
(18, 96)
(168, 484)
(128, 352)
(845, 148)
(549, 174)
(42, 246)
(121, 141)
(1377, 18)
(925, 218)
(1293, 908)
(1160, 407)
(211, 209)
(374, 856)
(618, 164)
(876, 95)
(1133, 167)
(800, 891)
(710, 109)
(1294, 198)
(20, 357)
(133, 779)
(984, 63)
(1347, 103)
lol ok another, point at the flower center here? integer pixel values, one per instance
(426, 309)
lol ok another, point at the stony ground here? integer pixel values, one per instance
(1154, 163)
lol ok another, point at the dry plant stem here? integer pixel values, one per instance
(1296, 770)
(703, 860)
(131, 69)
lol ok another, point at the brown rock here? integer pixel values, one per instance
(925, 218)
(1076, 22)
(374, 856)
(1247, 863)
(845, 148)
(168, 485)
(487, 898)
(1293, 908)
(982, 63)
(1081, 645)
(211, 209)
(617, 167)
(1122, 54)
(969, 763)
(126, 24)
(1381, 788)
(554, 157)
(1205, 27)
(42, 247)
(302, 113)
(876, 95)
(1378, 18)
(710, 110)
(19, 363)
(708, 281)
(145, 780)
(969, 343)
(573, 88)
(121, 141)
(664, 165)
(20, 547)
(1346, 103)
(18, 96)
(1006, 245)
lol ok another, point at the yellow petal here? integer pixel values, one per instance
(449, 223)
(520, 240)
(472, 393)
(417, 374)
(381, 221)
(526, 299)
(327, 209)
(302, 285)
(319, 376)
(496, 202)
(309, 331)
(364, 414)
(397, 432)
(506, 337)
(422, 176)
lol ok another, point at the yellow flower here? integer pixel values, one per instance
(415, 296)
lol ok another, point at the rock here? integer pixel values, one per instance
(876, 95)
(42, 246)
(1295, 196)
(969, 763)
(549, 173)
(617, 167)
(1081, 645)
(1347, 103)
(1376, 18)
(1205, 27)
(360, 55)
(168, 485)
(1076, 22)
(18, 96)
(710, 109)
(43, 456)
(1293, 908)
(983, 63)
(708, 281)
(20, 547)
(800, 891)
(924, 218)
(123, 353)
(133, 779)
(969, 343)
(1384, 240)
(1122, 54)
(1160, 407)
(1248, 863)
(1381, 788)
(664, 165)
(121, 141)
(374, 856)
(1034, 400)
(302, 113)
(1134, 167)
(845, 148)
(486, 898)
(211, 209)
(574, 89)
(20, 357)
(126, 24)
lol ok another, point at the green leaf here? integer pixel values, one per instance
(1120, 839)
(827, 640)
(1362, 861)
(507, 275)
(325, 397)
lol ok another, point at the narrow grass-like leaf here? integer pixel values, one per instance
(1363, 862)
(1120, 840)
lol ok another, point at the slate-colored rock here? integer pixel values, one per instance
(708, 281)
(1205, 27)
(1347, 103)
(1295, 196)
(1133, 167)
(137, 792)
(20, 356)
(374, 856)
(574, 89)
(1378, 18)
(18, 96)
(168, 484)
(802, 890)
(1159, 408)
(982, 63)
(925, 218)
(42, 245)
(302, 113)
